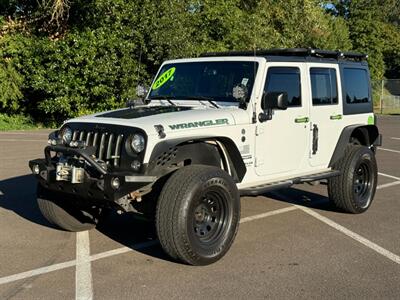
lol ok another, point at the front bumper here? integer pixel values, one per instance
(96, 184)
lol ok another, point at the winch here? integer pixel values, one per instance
(65, 172)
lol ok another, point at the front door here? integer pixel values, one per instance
(282, 143)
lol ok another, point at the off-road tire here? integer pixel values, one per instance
(64, 214)
(198, 214)
(354, 190)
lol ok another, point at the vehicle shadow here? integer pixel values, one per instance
(132, 231)
(18, 194)
(304, 198)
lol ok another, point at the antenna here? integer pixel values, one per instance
(254, 105)
(139, 62)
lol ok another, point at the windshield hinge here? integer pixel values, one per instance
(259, 130)
(258, 162)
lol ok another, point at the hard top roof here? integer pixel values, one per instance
(295, 54)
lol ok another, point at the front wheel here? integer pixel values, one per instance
(198, 214)
(354, 190)
(66, 214)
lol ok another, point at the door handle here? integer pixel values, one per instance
(335, 117)
(302, 120)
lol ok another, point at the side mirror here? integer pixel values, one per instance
(275, 100)
(141, 91)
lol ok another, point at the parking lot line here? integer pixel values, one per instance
(38, 271)
(386, 253)
(389, 176)
(123, 250)
(71, 263)
(382, 186)
(267, 214)
(83, 272)
(82, 254)
(395, 138)
(390, 150)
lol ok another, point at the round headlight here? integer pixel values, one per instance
(137, 143)
(66, 135)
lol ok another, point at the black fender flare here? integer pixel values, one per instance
(368, 135)
(170, 155)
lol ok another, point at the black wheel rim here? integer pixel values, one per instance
(362, 184)
(210, 217)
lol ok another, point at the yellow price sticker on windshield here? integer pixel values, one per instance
(163, 78)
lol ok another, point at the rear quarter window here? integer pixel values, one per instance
(356, 88)
(356, 84)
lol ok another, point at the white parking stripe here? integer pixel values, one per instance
(395, 138)
(386, 253)
(71, 263)
(390, 150)
(382, 186)
(123, 250)
(267, 214)
(83, 272)
(38, 271)
(389, 176)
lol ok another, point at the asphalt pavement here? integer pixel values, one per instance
(291, 243)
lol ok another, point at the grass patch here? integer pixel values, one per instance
(17, 122)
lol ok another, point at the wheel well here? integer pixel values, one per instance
(221, 152)
(365, 134)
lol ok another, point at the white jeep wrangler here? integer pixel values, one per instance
(210, 130)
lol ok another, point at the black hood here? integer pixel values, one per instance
(133, 113)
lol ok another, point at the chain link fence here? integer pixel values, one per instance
(386, 95)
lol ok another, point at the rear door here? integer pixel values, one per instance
(325, 112)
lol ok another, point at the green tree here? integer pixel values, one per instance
(373, 30)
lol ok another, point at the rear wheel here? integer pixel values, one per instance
(354, 190)
(66, 214)
(198, 214)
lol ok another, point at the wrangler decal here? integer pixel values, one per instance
(199, 124)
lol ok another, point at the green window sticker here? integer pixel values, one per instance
(163, 78)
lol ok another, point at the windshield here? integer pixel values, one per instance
(204, 80)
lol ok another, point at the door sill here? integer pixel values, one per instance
(263, 188)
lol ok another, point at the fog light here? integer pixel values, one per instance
(36, 169)
(115, 183)
(136, 165)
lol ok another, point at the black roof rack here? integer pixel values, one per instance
(298, 52)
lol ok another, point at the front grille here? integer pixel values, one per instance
(108, 145)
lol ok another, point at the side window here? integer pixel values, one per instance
(323, 86)
(287, 80)
(356, 85)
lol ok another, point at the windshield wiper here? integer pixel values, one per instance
(168, 98)
(210, 100)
